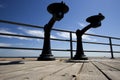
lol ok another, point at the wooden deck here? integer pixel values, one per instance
(61, 69)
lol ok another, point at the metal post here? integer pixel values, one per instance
(71, 46)
(111, 49)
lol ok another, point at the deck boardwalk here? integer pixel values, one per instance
(61, 69)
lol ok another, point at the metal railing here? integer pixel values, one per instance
(70, 40)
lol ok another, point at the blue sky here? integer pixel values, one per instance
(35, 12)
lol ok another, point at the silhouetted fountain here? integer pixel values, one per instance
(95, 21)
(57, 10)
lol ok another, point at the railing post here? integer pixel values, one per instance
(111, 49)
(71, 46)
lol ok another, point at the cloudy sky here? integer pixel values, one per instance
(35, 12)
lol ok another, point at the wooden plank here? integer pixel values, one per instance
(99, 69)
(90, 72)
(68, 73)
(36, 73)
(113, 64)
(102, 67)
(19, 69)
(26, 65)
(109, 72)
(113, 75)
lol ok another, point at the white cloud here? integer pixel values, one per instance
(11, 45)
(38, 33)
(6, 31)
(9, 32)
(35, 33)
(67, 36)
(82, 24)
(86, 37)
(63, 34)
(5, 44)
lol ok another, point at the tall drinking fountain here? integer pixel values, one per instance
(57, 10)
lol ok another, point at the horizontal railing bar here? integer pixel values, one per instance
(97, 35)
(96, 43)
(87, 34)
(30, 25)
(74, 41)
(60, 49)
(18, 35)
(93, 42)
(115, 38)
(102, 36)
(20, 48)
(35, 26)
(59, 39)
(96, 51)
(21, 24)
(115, 44)
(116, 51)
